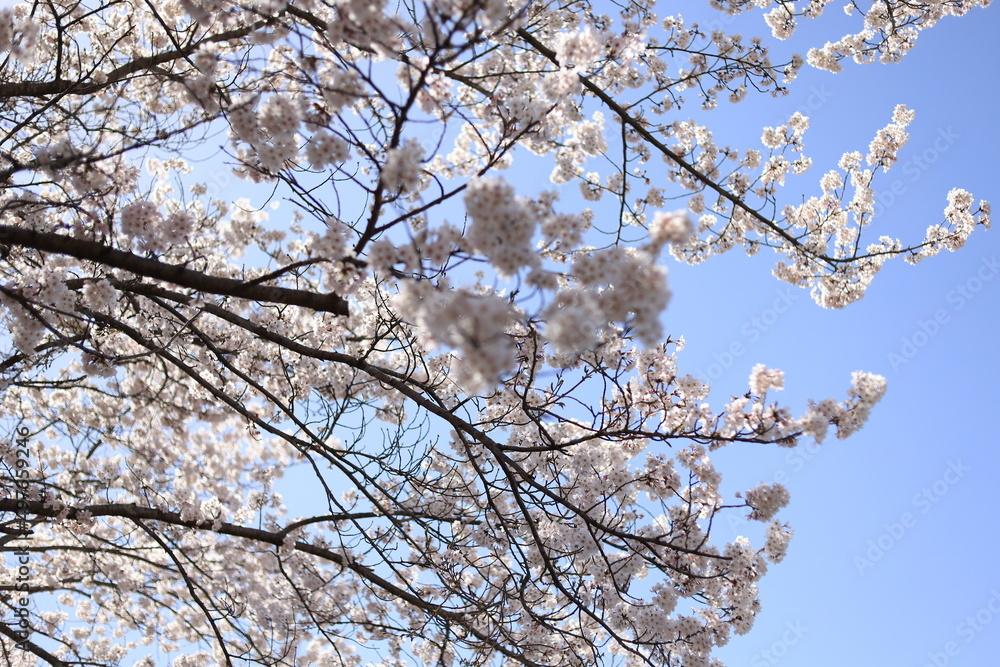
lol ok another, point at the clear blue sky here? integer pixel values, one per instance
(893, 560)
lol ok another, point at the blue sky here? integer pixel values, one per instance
(896, 528)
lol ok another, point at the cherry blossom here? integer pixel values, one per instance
(337, 328)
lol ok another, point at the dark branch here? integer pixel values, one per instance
(171, 273)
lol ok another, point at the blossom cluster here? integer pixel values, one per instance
(766, 499)
(143, 223)
(402, 170)
(19, 32)
(475, 325)
(502, 226)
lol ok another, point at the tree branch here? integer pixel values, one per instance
(171, 273)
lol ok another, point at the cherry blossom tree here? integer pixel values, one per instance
(506, 464)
